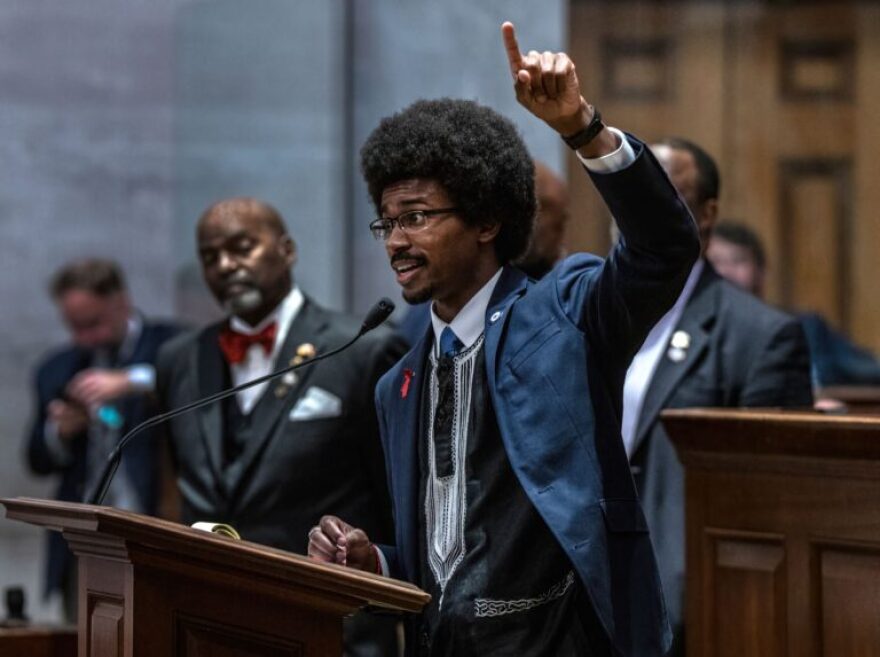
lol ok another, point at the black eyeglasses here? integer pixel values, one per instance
(409, 222)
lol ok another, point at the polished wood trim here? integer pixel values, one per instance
(211, 549)
(794, 433)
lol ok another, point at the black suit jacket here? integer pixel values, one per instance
(292, 471)
(742, 353)
(141, 458)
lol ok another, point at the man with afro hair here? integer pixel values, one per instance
(513, 500)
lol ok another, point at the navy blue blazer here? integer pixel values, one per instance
(557, 351)
(140, 460)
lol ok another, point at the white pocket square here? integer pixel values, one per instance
(316, 403)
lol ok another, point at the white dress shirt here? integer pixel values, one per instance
(257, 362)
(641, 370)
(468, 324)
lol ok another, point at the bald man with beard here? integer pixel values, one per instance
(273, 459)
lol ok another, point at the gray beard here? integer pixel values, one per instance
(244, 302)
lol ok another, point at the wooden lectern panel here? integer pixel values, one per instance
(182, 608)
(201, 638)
(256, 621)
(747, 582)
(849, 600)
(783, 532)
(152, 588)
(105, 622)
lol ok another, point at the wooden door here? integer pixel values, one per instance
(786, 97)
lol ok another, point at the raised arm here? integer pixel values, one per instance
(618, 303)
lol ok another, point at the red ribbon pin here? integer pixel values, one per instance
(404, 388)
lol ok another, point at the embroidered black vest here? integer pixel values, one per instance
(501, 585)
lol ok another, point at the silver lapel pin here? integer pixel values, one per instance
(678, 346)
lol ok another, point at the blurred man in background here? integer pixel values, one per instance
(89, 394)
(736, 252)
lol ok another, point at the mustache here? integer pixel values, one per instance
(407, 256)
(238, 278)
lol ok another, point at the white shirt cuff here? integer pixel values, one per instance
(58, 449)
(383, 563)
(142, 377)
(619, 159)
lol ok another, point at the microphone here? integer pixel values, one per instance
(376, 315)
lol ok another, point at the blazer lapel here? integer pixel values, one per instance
(309, 326)
(696, 321)
(511, 285)
(402, 441)
(211, 377)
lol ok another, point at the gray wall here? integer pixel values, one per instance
(121, 120)
(410, 50)
(87, 151)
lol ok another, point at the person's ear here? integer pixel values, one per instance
(706, 218)
(708, 212)
(488, 232)
(288, 250)
(122, 302)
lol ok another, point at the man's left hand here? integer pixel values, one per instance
(93, 387)
(547, 85)
(333, 540)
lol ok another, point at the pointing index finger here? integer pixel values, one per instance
(514, 56)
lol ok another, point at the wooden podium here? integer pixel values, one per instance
(148, 587)
(783, 532)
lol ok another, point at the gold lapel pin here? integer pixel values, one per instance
(303, 352)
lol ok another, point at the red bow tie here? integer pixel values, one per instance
(235, 345)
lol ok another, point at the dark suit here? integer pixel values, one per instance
(741, 353)
(140, 460)
(556, 354)
(291, 472)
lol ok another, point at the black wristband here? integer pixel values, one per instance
(583, 137)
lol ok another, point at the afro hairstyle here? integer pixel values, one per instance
(475, 153)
